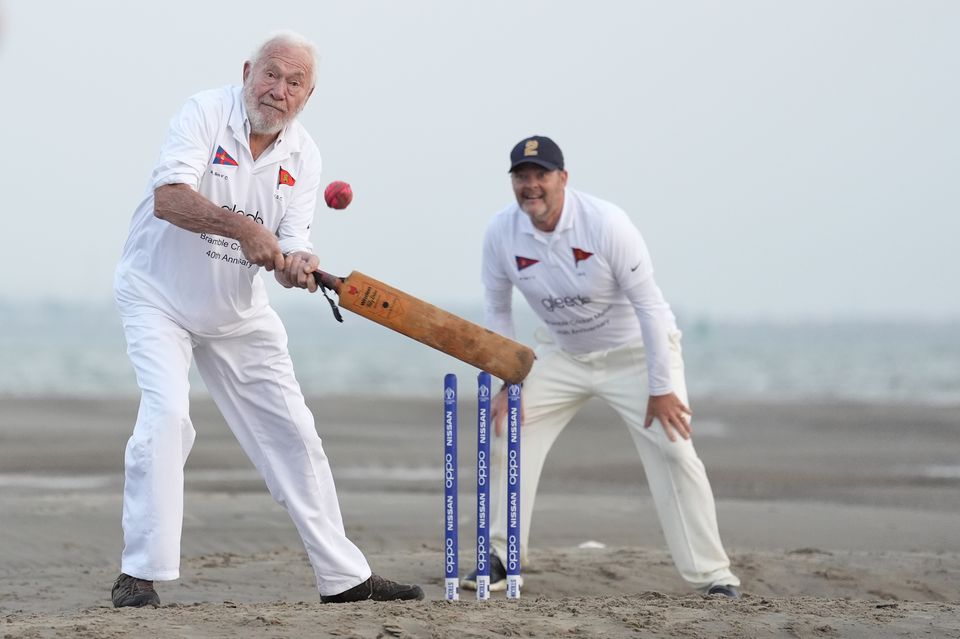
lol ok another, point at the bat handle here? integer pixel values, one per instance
(326, 281)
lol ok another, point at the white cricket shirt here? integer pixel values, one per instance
(590, 280)
(203, 281)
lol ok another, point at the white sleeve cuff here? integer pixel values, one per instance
(166, 178)
(294, 244)
(498, 311)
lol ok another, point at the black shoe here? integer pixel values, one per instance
(724, 590)
(498, 577)
(378, 589)
(130, 591)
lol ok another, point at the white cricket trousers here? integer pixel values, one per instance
(250, 377)
(554, 391)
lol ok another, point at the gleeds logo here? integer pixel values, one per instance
(553, 303)
(253, 216)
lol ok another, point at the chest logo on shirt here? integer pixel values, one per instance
(579, 255)
(524, 262)
(253, 216)
(285, 178)
(222, 157)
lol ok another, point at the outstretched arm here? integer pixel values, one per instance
(182, 206)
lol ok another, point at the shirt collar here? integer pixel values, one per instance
(565, 223)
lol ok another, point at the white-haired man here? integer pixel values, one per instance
(234, 190)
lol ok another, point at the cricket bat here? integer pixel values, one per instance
(435, 327)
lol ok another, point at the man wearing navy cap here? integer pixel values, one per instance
(585, 270)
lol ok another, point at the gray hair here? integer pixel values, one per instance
(289, 39)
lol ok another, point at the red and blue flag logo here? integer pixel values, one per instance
(222, 157)
(524, 262)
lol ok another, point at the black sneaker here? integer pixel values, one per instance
(724, 590)
(378, 589)
(130, 591)
(498, 577)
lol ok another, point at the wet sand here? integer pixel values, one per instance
(841, 520)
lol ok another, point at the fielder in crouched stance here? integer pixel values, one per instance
(584, 269)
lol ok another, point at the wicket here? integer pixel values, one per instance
(513, 491)
(451, 526)
(450, 486)
(483, 487)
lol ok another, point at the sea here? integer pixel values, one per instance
(77, 349)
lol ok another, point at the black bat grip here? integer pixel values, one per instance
(328, 281)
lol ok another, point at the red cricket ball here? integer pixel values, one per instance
(338, 195)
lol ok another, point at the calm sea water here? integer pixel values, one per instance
(78, 350)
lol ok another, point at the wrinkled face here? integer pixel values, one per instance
(276, 88)
(539, 193)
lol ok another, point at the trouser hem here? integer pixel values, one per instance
(150, 575)
(331, 588)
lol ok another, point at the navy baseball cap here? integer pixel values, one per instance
(539, 150)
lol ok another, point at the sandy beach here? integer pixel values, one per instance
(841, 520)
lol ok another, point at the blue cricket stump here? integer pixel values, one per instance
(513, 491)
(483, 486)
(450, 541)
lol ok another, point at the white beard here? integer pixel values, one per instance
(261, 123)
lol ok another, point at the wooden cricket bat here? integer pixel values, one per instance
(435, 327)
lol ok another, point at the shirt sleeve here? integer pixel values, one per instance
(498, 312)
(652, 311)
(497, 287)
(632, 267)
(294, 230)
(187, 149)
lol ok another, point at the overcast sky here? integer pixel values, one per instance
(781, 159)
